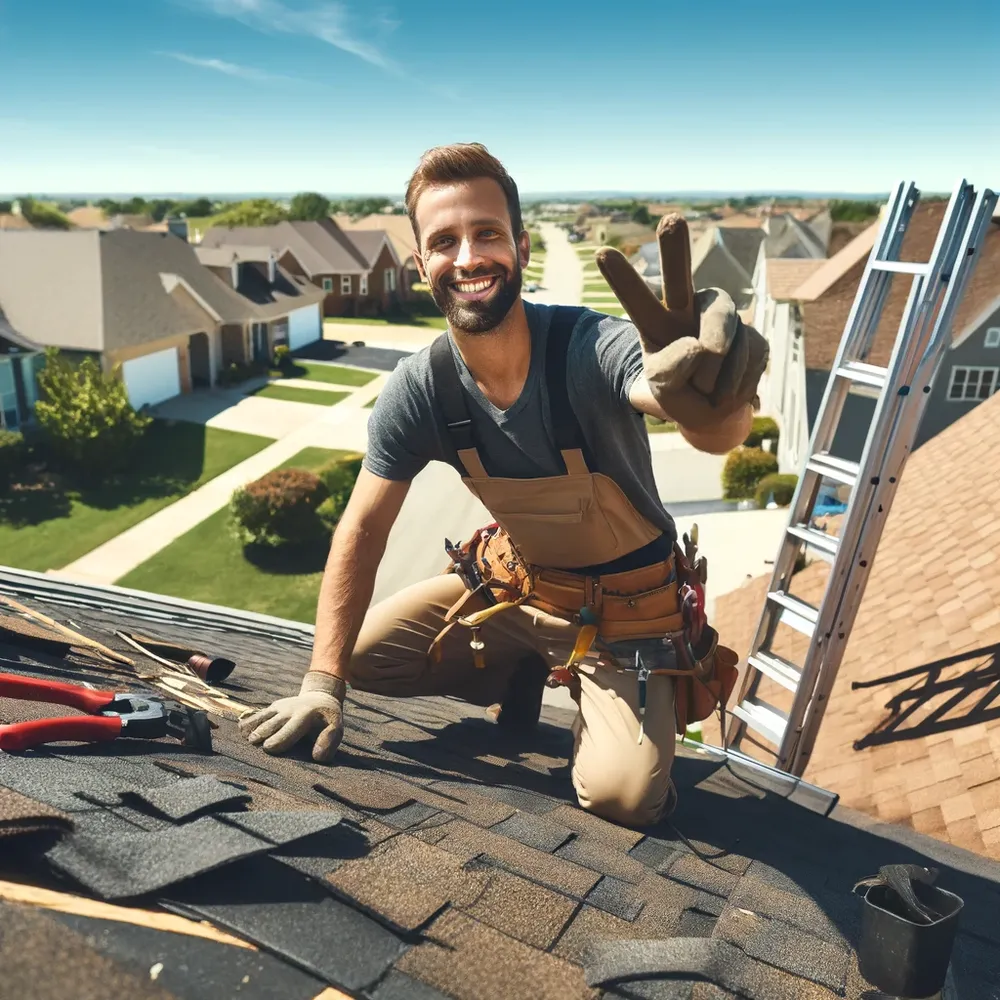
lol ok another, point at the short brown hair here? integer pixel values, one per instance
(461, 161)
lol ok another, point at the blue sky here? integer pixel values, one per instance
(235, 96)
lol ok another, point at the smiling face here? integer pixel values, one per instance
(468, 254)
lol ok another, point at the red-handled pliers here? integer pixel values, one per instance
(111, 715)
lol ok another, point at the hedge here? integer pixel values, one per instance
(280, 508)
(764, 429)
(782, 485)
(339, 477)
(744, 469)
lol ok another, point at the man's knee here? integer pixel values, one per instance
(624, 797)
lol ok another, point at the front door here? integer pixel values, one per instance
(259, 335)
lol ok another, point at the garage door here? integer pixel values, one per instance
(152, 378)
(303, 327)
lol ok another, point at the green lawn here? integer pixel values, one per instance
(596, 286)
(207, 564)
(50, 528)
(369, 404)
(293, 394)
(333, 374)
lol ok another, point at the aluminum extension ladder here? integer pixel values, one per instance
(903, 388)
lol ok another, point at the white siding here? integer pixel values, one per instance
(304, 327)
(152, 378)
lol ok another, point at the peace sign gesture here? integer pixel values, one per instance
(701, 361)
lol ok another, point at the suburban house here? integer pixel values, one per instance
(20, 360)
(146, 302)
(358, 278)
(804, 326)
(400, 232)
(911, 732)
(721, 257)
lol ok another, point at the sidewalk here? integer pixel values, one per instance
(341, 426)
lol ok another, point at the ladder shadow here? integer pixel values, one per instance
(955, 690)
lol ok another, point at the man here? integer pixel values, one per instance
(541, 410)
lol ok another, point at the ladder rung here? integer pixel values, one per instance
(900, 266)
(864, 374)
(816, 538)
(765, 719)
(837, 469)
(800, 616)
(786, 673)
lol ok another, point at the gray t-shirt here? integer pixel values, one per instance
(406, 429)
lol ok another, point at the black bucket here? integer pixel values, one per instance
(905, 953)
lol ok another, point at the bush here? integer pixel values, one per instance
(13, 457)
(339, 477)
(86, 419)
(237, 373)
(781, 485)
(744, 469)
(764, 429)
(279, 509)
(282, 356)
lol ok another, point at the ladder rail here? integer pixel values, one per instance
(870, 501)
(928, 366)
(865, 310)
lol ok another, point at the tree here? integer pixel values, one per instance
(43, 216)
(160, 208)
(255, 212)
(196, 209)
(640, 214)
(309, 207)
(848, 210)
(5, 207)
(86, 418)
(357, 207)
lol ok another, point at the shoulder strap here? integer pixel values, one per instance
(451, 398)
(565, 426)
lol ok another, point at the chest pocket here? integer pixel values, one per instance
(569, 521)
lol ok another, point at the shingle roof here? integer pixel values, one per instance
(829, 294)
(786, 274)
(320, 247)
(460, 866)
(790, 237)
(398, 227)
(369, 243)
(743, 244)
(924, 651)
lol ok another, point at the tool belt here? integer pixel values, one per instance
(649, 620)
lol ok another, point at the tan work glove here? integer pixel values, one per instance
(701, 361)
(316, 711)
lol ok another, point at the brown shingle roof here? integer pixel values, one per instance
(927, 635)
(828, 295)
(786, 274)
(10, 221)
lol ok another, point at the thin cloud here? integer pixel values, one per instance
(329, 22)
(227, 68)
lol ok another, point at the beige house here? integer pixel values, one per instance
(400, 233)
(147, 303)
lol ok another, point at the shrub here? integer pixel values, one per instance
(764, 429)
(13, 457)
(86, 419)
(339, 477)
(744, 469)
(279, 509)
(781, 485)
(282, 356)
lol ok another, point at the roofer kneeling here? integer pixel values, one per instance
(581, 580)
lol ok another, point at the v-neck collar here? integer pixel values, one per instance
(530, 383)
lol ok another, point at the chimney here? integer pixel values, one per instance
(272, 267)
(235, 269)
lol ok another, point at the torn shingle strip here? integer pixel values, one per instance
(189, 797)
(785, 947)
(133, 864)
(617, 897)
(696, 923)
(500, 966)
(294, 917)
(799, 911)
(21, 815)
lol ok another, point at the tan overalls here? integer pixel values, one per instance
(551, 546)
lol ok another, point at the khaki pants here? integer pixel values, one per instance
(615, 776)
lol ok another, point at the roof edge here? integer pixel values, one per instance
(835, 267)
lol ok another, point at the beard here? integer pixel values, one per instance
(483, 316)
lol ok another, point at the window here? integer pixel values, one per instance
(363, 285)
(390, 279)
(345, 284)
(993, 337)
(328, 284)
(8, 396)
(972, 384)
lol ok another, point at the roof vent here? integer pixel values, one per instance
(272, 268)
